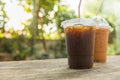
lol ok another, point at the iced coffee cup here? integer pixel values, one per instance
(101, 39)
(80, 39)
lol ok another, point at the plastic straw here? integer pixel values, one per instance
(99, 8)
(79, 8)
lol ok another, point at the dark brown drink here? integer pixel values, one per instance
(80, 46)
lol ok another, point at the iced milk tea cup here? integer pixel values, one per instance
(101, 39)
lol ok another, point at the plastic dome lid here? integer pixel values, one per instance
(101, 22)
(78, 22)
(96, 21)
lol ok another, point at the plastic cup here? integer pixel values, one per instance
(80, 39)
(101, 39)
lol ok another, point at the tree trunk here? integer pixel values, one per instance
(34, 26)
(43, 41)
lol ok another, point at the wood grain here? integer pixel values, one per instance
(57, 69)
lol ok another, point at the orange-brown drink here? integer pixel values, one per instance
(101, 44)
(101, 39)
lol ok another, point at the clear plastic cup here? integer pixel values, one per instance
(80, 39)
(101, 39)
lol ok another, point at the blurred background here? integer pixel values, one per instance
(31, 29)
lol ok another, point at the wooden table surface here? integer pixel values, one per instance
(57, 69)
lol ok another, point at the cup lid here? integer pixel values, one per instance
(100, 22)
(96, 21)
(78, 22)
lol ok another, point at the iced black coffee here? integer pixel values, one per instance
(80, 39)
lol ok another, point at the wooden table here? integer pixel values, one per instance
(57, 69)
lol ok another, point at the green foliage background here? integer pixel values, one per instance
(27, 46)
